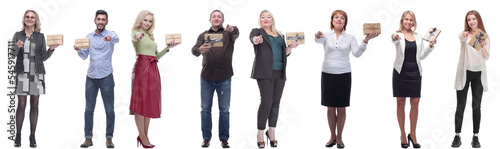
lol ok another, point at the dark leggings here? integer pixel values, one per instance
(474, 79)
(20, 116)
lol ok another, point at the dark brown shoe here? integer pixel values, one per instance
(109, 143)
(224, 143)
(206, 143)
(87, 143)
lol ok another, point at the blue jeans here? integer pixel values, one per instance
(223, 89)
(107, 86)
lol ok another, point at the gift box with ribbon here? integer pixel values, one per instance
(215, 40)
(55, 39)
(295, 36)
(83, 43)
(368, 28)
(173, 37)
(478, 37)
(432, 33)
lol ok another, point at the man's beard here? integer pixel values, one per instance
(103, 27)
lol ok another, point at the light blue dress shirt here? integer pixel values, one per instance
(101, 53)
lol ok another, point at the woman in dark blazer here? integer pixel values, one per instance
(30, 51)
(269, 69)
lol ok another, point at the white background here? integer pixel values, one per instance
(371, 118)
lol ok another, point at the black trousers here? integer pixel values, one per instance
(474, 79)
(270, 96)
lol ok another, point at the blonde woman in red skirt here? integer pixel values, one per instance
(146, 84)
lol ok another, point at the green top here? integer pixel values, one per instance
(277, 44)
(146, 46)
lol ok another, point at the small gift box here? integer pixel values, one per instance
(478, 37)
(173, 37)
(83, 43)
(295, 36)
(432, 33)
(55, 39)
(368, 28)
(215, 40)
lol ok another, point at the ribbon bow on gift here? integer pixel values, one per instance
(479, 39)
(431, 33)
(296, 38)
(212, 41)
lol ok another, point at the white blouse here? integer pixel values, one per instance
(337, 51)
(473, 60)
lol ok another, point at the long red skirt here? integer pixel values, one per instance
(146, 87)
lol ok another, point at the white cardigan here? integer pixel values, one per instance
(461, 76)
(400, 51)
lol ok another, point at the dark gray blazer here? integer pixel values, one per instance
(263, 62)
(41, 52)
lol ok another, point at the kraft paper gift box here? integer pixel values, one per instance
(215, 40)
(432, 33)
(83, 43)
(173, 37)
(295, 36)
(368, 28)
(479, 36)
(55, 39)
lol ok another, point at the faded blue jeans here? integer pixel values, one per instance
(107, 87)
(223, 89)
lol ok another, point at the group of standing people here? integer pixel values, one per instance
(269, 70)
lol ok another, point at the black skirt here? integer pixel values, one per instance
(408, 83)
(335, 89)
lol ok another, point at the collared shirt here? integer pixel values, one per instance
(337, 51)
(217, 63)
(100, 52)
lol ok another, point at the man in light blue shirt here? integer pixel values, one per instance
(99, 76)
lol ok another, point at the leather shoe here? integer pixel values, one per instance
(109, 143)
(87, 143)
(456, 142)
(224, 143)
(475, 142)
(206, 143)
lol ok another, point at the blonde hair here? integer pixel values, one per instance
(273, 26)
(414, 21)
(37, 19)
(140, 17)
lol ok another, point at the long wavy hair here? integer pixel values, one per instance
(480, 24)
(140, 17)
(37, 24)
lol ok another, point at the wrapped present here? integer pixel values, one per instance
(173, 37)
(55, 39)
(368, 28)
(478, 37)
(295, 36)
(432, 33)
(215, 40)
(83, 43)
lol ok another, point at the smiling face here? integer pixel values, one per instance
(147, 22)
(216, 19)
(101, 22)
(408, 22)
(338, 21)
(30, 20)
(266, 20)
(472, 22)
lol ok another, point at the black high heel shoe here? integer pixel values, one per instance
(261, 144)
(17, 141)
(32, 142)
(340, 145)
(331, 144)
(403, 145)
(410, 140)
(274, 143)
